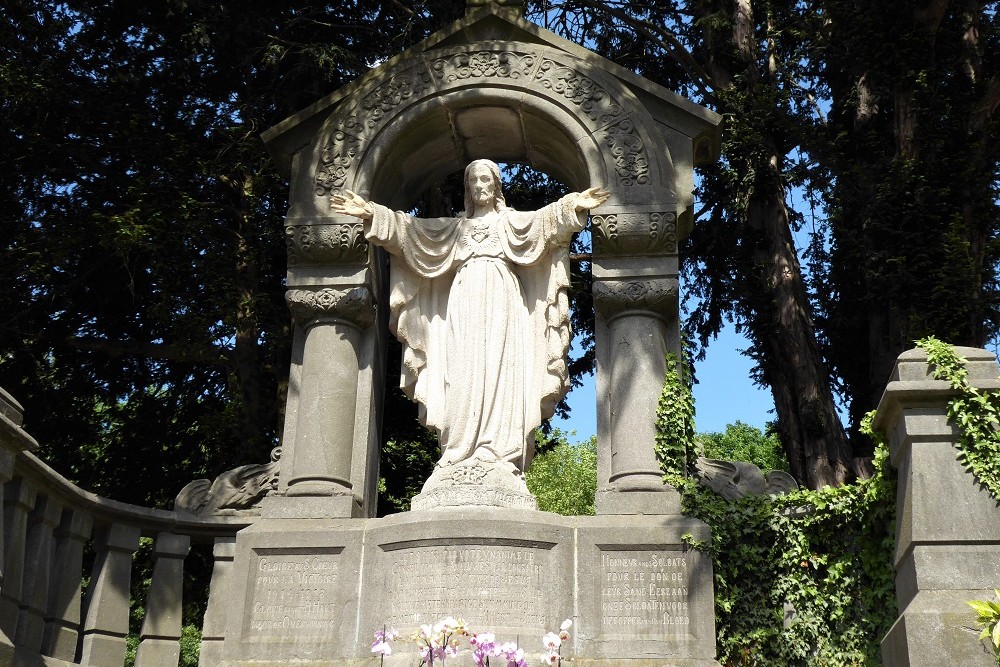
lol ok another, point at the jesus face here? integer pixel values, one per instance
(481, 185)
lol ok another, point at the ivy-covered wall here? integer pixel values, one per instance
(804, 579)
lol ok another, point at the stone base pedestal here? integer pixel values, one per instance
(475, 483)
(316, 590)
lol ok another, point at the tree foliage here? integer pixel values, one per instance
(563, 478)
(143, 322)
(743, 442)
(885, 118)
(143, 326)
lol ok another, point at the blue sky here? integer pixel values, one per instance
(723, 395)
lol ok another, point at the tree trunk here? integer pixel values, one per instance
(810, 428)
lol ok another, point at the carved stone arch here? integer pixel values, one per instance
(592, 113)
(427, 113)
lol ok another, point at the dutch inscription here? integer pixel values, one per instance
(489, 586)
(644, 592)
(294, 594)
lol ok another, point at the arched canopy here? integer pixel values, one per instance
(529, 97)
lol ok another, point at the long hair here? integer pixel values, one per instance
(499, 203)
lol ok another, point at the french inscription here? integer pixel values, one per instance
(294, 594)
(644, 592)
(489, 586)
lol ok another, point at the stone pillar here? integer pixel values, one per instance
(13, 440)
(213, 631)
(947, 525)
(159, 641)
(6, 473)
(636, 306)
(320, 461)
(62, 621)
(37, 568)
(19, 499)
(105, 622)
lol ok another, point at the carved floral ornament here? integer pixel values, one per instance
(635, 233)
(618, 297)
(342, 243)
(312, 306)
(606, 117)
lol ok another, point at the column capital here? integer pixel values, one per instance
(316, 243)
(631, 232)
(313, 306)
(656, 297)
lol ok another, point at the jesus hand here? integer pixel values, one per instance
(591, 198)
(350, 203)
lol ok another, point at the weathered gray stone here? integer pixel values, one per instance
(105, 623)
(311, 585)
(295, 591)
(19, 499)
(161, 626)
(947, 527)
(492, 85)
(315, 591)
(213, 630)
(38, 564)
(62, 620)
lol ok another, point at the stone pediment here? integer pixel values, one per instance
(508, 61)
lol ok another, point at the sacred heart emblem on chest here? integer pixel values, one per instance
(480, 232)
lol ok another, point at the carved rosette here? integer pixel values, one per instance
(313, 306)
(644, 233)
(326, 244)
(613, 298)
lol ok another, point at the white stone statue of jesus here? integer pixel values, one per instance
(480, 304)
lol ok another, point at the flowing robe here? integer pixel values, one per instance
(481, 308)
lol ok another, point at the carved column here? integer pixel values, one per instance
(13, 441)
(62, 621)
(161, 628)
(37, 570)
(105, 622)
(332, 322)
(19, 499)
(213, 631)
(636, 305)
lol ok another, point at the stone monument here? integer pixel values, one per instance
(479, 302)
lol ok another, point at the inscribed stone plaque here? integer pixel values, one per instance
(643, 592)
(489, 583)
(292, 592)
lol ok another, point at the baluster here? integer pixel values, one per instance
(105, 623)
(62, 623)
(219, 598)
(19, 498)
(7, 458)
(161, 628)
(37, 567)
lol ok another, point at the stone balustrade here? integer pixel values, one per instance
(48, 524)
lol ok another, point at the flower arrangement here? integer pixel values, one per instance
(442, 640)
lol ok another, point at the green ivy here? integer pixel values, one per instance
(801, 580)
(988, 618)
(675, 437)
(975, 413)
